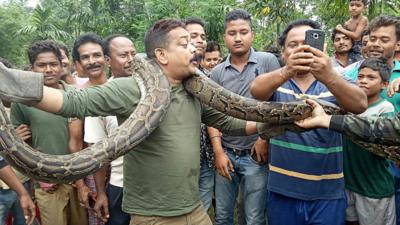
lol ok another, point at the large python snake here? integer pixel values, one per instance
(155, 92)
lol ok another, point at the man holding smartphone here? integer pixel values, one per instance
(306, 184)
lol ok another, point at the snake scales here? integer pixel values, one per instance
(155, 92)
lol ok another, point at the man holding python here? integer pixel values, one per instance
(161, 182)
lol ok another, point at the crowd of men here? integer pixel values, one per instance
(199, 157)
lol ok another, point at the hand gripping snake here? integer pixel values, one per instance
(155, 99)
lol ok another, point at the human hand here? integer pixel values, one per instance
(23, 132)
(393, 87)
(28, 207)
(223, 165)
(299, 61)
(321, 68)
(339, 27)
(84, 193)
(48, 187)
(259, 151)
(101, 207)
(318, 119)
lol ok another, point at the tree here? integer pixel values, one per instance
(43, 26)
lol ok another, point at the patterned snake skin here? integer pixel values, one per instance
(155, 91)
(155, 98)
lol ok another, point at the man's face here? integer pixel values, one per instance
(65, 64)
(210, 60)
(356, 8)
(238, 37)
(370, 82)
(382, 42)
(48, 64)
(180, 54)
(197, 37)
(295, 38)
(342, 43)
(121, 56)
(92, 59)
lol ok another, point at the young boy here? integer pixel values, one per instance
(368, 180)
(355, 26)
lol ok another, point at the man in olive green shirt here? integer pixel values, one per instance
(162, 172)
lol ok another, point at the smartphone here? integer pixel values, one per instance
(315, 38)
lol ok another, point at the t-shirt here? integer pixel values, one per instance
(308, 165)
(364, 172)
(161, 174)
(226, 75)
(50, 132)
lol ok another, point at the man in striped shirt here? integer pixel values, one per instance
(306, 184)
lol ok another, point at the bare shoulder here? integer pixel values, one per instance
(364, 20)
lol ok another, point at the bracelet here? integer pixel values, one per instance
(215, 136)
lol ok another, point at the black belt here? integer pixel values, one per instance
(239, 152)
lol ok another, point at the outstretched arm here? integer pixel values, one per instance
(380, 130)
(52, 100)
(117, 97)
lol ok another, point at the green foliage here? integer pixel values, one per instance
(13, 47)
(64, 20)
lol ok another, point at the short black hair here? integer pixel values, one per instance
(378, 64)
(385, 21)
(237, 14)
(213, 46)
(296, 23)
(108, 41)
(365, 2)
(64, 48)
(334, 32)
(86, 38)
(194, 20)
(6, 63)
(39, 47)
(157, 36)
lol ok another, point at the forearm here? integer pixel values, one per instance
(75, 129)
(9, 177)
(100, 180)
(75, 145)
(380, 131)
(251, 128)
(350, 34)
(215, 138)
(52, 100)
(355, 102)
(224, 123)
(266, 84)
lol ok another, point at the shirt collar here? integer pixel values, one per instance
(252, 58)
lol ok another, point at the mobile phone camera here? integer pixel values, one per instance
(315, 35)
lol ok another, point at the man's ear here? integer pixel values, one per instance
(161, 56)
(108, 60)
(385, 84)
